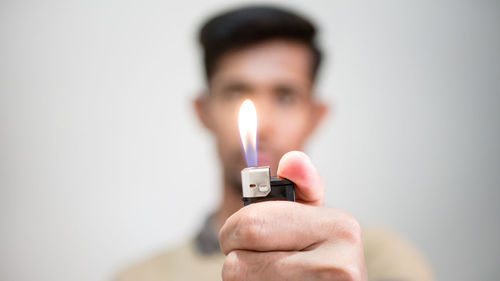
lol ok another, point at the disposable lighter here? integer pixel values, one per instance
(258, 185)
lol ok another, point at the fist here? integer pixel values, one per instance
(303, 240)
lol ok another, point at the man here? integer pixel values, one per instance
(269, 55)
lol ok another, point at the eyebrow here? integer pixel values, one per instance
(235, 85)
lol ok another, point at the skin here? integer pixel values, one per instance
(276, 240)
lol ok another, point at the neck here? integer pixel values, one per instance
(230, 203)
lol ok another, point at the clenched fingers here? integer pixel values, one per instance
(331, 262)
(285, 226)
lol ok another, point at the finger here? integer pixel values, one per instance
(258, 266)
(328, 263)
(291, 226)
(297, 167)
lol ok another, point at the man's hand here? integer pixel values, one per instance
(282, 240)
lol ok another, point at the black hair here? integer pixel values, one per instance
(249, 25)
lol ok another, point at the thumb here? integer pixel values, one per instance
(297, 167)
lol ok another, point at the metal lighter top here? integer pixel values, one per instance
(258, 185)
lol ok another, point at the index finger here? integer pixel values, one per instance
(297, 167)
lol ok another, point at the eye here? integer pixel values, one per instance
(233, 94)
(285, 95)
(234, 91)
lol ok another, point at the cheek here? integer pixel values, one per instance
(226, 128)
(293, 130)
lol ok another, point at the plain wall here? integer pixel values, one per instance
(102, 161)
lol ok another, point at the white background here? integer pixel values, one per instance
(102, 161)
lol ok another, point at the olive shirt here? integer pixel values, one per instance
(388, 258)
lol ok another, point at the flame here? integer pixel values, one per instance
(247, 123)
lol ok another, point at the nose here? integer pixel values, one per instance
(264, 120)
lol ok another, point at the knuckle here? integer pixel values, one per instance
(352, 273)
(349, 227)
(330, 273)
(355, 228)
(222, 240)
(335, 272)
(251, 228)
(231, 268)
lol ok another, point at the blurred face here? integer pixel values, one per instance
(276, 76)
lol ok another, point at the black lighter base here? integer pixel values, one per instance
(281, 189)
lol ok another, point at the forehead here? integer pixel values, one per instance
(266, 63)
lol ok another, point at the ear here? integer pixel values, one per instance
(202, 109)
(319, 110)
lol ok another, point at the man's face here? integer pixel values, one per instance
(276, 76)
